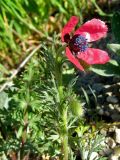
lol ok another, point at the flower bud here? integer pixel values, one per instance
(76, 107)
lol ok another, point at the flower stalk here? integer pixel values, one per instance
(64, 134)
(63, 128)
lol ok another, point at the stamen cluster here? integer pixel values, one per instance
(78, 43)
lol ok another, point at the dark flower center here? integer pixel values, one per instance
(78, 43)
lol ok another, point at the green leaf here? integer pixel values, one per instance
(116, 25)
(114, 47)
(111, 68)
(3, 100)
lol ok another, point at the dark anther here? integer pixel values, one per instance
(78, 43)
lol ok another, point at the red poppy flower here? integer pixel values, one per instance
(77, 49)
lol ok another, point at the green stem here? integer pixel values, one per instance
(64, 134)
(100, 11)
(62, 107)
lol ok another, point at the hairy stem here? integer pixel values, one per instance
(64, 135)
(62, 107)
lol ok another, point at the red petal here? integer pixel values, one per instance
(93, 30)
(69, 26)
(94, 56)
(73, 59)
